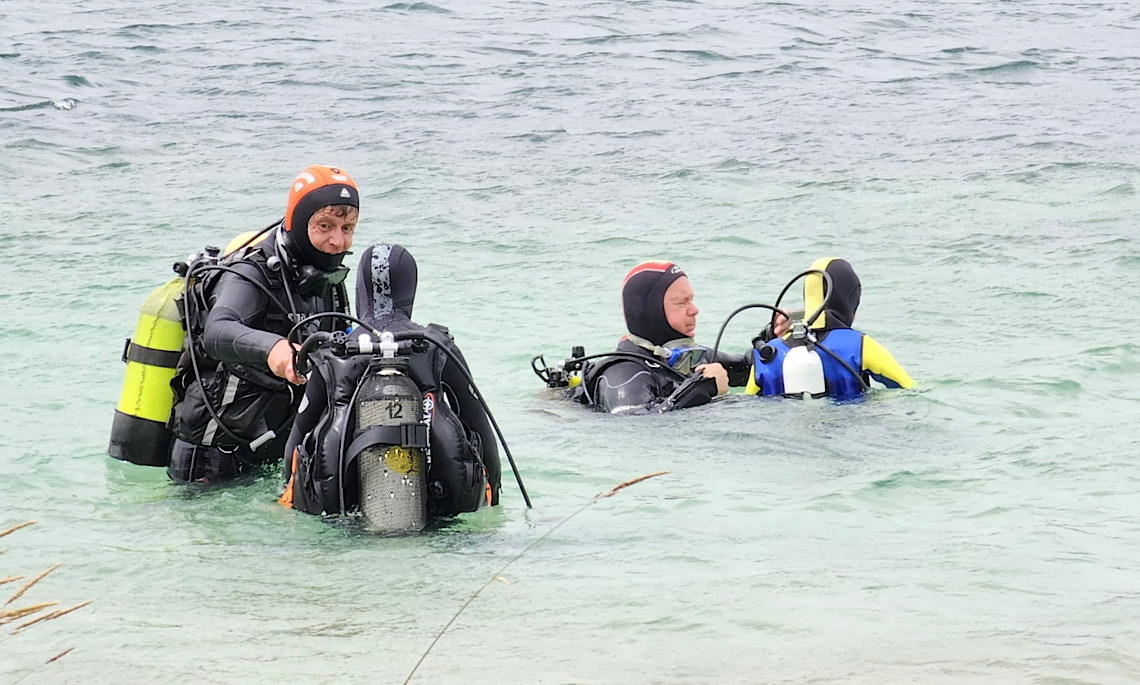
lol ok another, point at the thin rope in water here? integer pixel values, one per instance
(498, 575)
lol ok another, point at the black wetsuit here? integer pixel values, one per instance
(625, 386)
(234, 338)
(463, 447)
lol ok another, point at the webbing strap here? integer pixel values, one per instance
(134, 352)
(404, 435)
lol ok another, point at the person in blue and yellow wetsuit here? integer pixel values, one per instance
(825, 356)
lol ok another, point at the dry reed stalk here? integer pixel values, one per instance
(9, 615)
(10, 579)
(29, 584)
(628, 483)
(16, 527)
(48, 617)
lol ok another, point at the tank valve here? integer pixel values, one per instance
(388, 346)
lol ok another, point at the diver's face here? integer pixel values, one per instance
(330, 233)
(680, 311)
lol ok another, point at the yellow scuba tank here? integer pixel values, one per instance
(139, 433)
(241, 240)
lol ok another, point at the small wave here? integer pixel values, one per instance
(601, 40)
(510, 51)
(9, 55)
(840, 183)
(24, 108)
(889, 23)
(702, 55)
(535, 90)
(1003, 292)
(651, 133)
(538, 136)
(1032, 388)
(958, 51)
(617, 240)
(135, 27)
(74, 80)
(732, 240)
(733, 164)
(910, 479)
(64, 104)
(733, 74)
(992, 511)
(1014, 67)
(1122, 190)
(1052, 144)
(417, 7)
(800, 43)
(1114, 358)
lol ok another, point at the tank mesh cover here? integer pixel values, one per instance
(392, 478)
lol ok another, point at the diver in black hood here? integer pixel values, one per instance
(234, 391)
(672, 371)
(464, 473)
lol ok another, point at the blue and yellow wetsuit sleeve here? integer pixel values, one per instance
(882, 366)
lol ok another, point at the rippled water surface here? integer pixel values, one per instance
(977, 162)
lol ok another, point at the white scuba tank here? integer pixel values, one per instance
(803, 373)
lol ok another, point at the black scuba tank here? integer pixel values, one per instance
(393, 468)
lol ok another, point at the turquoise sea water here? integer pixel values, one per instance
(977, 162)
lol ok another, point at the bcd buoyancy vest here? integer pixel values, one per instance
(323, 470)
(249, 399)
(768, 378)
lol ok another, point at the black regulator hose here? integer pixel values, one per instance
(826, 296)
(330, 315)
(418, 335)
(716, 347)
(776, 307)
(301, 365)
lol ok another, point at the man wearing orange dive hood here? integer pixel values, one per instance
(235, 391)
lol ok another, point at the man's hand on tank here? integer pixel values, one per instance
(717, 372)
(281, 361)
(781, 324)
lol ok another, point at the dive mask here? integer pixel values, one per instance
(685, 359)
(682, 355)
